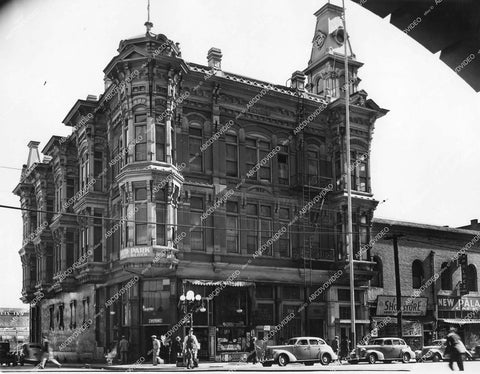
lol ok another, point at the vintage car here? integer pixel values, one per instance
(382, 349)
(30, 353)
(306, 350)
(436, 352)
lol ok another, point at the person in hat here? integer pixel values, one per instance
(123, 348)
(176, 349)
(455, 348)
(335, 345)
(190, 347)
(155, 351)
(47, 354)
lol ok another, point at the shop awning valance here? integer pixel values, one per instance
(198, 282)
(461, 321)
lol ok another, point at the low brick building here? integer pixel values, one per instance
(438, 277)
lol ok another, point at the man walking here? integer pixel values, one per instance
(155, 351)
(455, 348)
(190, 347)
(335, 345)
(123, 348)
(47, 354)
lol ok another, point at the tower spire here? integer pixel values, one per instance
(148, 24)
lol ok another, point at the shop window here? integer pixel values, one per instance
(291, 293)
(264, 292)
(377, 280)
(446, 277)
(231, 155)
(292, 328)
(264, 313)
(472, 281)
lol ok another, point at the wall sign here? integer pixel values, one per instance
(132, 252)
(467, 303)
(387, 306)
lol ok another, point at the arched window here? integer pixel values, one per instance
(446, 277)
(377, 280)
(417, 274)
(472, 282)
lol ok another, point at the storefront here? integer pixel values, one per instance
(416, 326)
(462, 313)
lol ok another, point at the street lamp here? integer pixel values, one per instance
(191, 303)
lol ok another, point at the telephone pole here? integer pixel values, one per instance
(394, 238)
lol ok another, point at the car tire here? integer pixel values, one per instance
(406, 358)
(436, 357)
(372, 358)
(325, 359)
(282, 360)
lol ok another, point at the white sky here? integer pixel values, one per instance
(425, 151)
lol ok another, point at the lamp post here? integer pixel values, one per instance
(190, 303)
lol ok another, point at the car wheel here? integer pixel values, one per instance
(282, 360)
(436, 357)
(372, 358)
(325, 359)
(406, 358)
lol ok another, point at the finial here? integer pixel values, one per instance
(148, 24)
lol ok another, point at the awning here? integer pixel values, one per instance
(461, 321)
(198, 282)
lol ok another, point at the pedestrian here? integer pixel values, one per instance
(335, 345)
(190, 347)
(123, 348)
(252, 357)
(455, 348)
(47, 354)
(176, 349)
(344, 346)
(164, 348)
(156, 351)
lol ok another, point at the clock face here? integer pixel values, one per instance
(319, 39)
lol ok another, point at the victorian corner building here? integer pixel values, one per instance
(183, 176)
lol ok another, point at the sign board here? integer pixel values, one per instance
(411, 328)
(133, 252)
(467, 303)
(155, 320)
(387, 306)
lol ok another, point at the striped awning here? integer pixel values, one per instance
(461, 321)
(199, 282)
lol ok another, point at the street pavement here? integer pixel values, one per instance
(424, 368)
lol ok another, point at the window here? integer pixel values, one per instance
(264, 292)
(417, 274)
(377, 280)
(160, 212)
(51, 311)
(84, 171)
(97, 237)
(313, 341)
(232, 227)
(263, 313)
(140, 142)
(446, 277)
(252, 228)
(86, 305)
(283, 170)
(256, 151)
(61, 324)
(197, 233)
(472, 282)
(73, 314)
(291, 293)
(358, 170)
(140, 196)
(160, 142)
(194, 144)
(265, 229)
(231, 155)
(388, 342)
(284, 244)
(302, 342)
(98, 170)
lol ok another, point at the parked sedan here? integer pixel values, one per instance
(382, 349)
(306, 350)
(31, 353)
(436, 352)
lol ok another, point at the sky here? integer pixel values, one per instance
(424, 157)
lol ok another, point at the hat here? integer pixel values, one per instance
(336, 337)
(154, 336)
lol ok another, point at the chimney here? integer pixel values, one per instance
(33, 153)
(214, 58)
(474, 222)
(298, 81)
(91, 98)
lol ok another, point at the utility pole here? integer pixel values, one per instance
(395, 237)
(349, 188)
